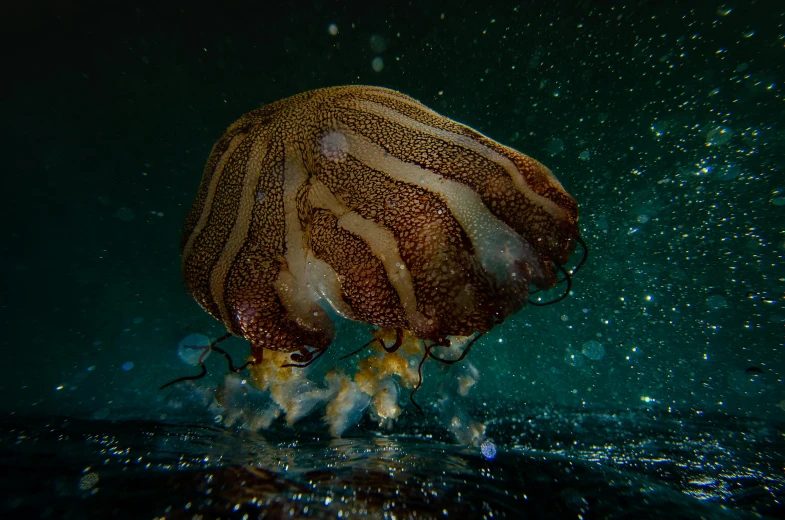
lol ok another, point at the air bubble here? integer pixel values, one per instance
(488, 450)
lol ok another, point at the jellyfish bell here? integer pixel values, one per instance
(374, 208)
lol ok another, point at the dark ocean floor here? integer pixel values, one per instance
(548, 464)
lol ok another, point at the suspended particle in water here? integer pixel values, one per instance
(718, 136)
(594, 350)
(728, 172)
(128, 365)
(555, 146)
(377, 64)
(332, 29)
(488, 450)
(574, 500)
(747, 383)
(573, 358)
(378, 43)
(88, 481)
(192, 347)
(125, 214)
(717, 302)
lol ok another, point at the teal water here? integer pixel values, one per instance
(665, 121)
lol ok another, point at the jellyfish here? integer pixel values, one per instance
(361, 202)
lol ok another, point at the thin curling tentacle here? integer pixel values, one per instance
(419, 373)
(398, 342)
(581, 262)
(191, 378)
(350, 354)
(563, 296)
(585, 255)
(211, 346)
(575, 269)
(229, 360)
(463, 354)
(313, 357)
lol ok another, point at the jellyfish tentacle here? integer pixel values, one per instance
(419, 373)
(186, 378)
(581, 262)
(569, 274)
(585, 255)
(463, 354)
(441, 342)
(399, 333)
(225, 354)
(350, 354)
(398, 342)
(305, 357)
(563, 296)
(232, 368)
(211, 346)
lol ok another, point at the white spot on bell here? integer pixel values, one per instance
(334, 146)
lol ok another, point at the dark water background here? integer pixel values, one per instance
(665, 120)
